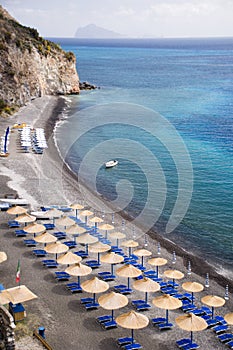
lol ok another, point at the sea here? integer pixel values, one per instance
(164, 109)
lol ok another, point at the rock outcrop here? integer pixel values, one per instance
(31, 66)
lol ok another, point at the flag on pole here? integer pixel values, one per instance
(18, 273)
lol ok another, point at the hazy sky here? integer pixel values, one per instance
(134, 18)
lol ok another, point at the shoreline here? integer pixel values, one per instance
(199, 265)
(41, 177)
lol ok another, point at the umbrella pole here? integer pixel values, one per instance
(166, 316)
(79, 281)
(76, 211)
(142, 260)
(212, 312)
(132, 336)
(173, 282)
(146, 297)
(87, 249)
(112, 270)
(98, 258)
(106, 234)
(117, 242)
(192, 297)
(112, 315)
(93, 297)
(191, 338)
(130, 251)
(157, 271)
(128, 282)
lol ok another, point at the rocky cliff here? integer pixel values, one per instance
(31, 66)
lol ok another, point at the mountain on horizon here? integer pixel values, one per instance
(92, 31)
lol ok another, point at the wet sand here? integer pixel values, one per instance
(45, 180)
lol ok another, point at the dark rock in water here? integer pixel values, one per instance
(87, 86)
(31, 66)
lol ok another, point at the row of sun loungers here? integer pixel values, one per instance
(217, 324)
(32, 139)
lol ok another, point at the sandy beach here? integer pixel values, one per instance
(46, 180)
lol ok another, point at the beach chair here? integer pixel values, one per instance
(120, 287)
(20, 233)
(13, 224)
(107, 278)
(82, 254)
(93, 264)
(62, 276)
(91, 306)
(132, 346)
(76, 289)
(105, 318)
(39, 252)
(198, 312)
(182, 342)
(71, 244)
(126, 291)
(50, 263)
(165, 326)
(59, 235)
(30, 242)
(143, 307)
(190, 346)
(219, 329)
(225, 337)
(230, 344)
(86, 300)
(49, 226)
(188, 307)
(109, 324)
(124, 341)
(158, 320)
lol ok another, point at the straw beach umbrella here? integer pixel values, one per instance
(174, 275)
(25, 219)
(68, 258)
(3, 257)
(45, 238)
(191, 323)
(213, 301)
(106, 228)
(65, 221)
(157, 262)
(96, 220)
(35, 228)
(86, 214)
(229, 318)
(117, 236)
(78, 270)
(95, 285)
(128, 271)
(130, 244)
(56, 248)
(99, 248)
(167, 302)
(141, 253)
(75, 230)
(76, 207)
(18, 294)
(193, 287)
(132, 320)
(86, 239)
(112, 258)
(16, 210)
(146, 285)
(113, 301)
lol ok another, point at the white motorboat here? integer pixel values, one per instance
(111, 163)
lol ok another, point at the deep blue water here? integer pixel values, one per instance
(190, 83)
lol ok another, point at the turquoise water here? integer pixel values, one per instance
(188, 82)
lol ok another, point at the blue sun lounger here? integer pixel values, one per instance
(165, 326)
(124, 340)
(13, 223)
(20, 233)
(39, 252)
(30, 242)
(220, 329)
(109, 324)
(158, 320)
(190, 346)
(225, 337)
(91, 306)
(132, 346)
(104, 318)
(182, 342)
(230, 344)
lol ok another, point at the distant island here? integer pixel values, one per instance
(92, 31)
